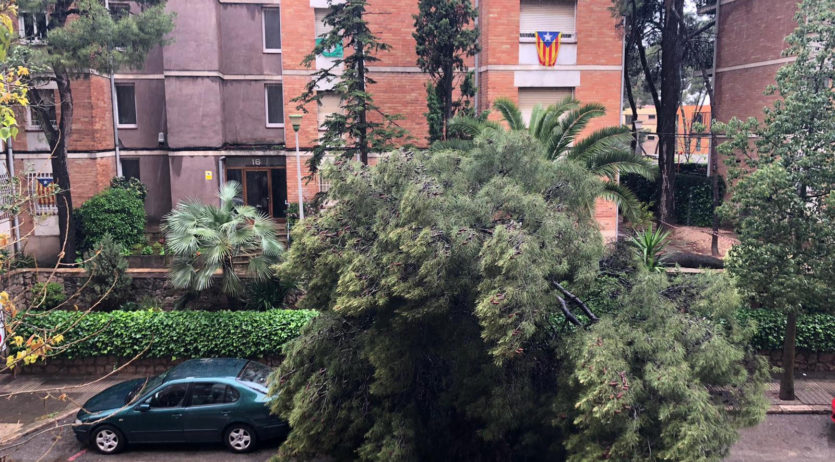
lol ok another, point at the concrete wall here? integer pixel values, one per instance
(188, 178)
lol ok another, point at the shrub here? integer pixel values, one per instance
(174, 334)
(268, 294)
(114, 211)
(693, 195)
(47, 295)
(130, 184)
(107, 267)
(814, 331)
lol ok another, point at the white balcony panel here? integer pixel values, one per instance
(567, 55)
(549, 78)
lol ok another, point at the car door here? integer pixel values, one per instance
(157, 418)
(210, 408)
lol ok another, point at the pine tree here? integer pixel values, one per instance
(361, 127)
(81, 37)
(445, 320)
(784, 204)
(445, 35)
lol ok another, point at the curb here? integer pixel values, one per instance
(799, 409)
(37, 426)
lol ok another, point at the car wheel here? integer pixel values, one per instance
(239, 438)
(108, 439)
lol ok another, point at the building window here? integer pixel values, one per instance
(698, 144)
(628, 119)
(328, 104)
(698, 118)
(126, 104)
(275, 105)
(47, 102)
(119, 10)
(651, 117)
(272, 30)
(532, 97)
(32, 26)
(546, 16)
(651, 137)
(130, 168)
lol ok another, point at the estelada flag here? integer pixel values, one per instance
(547, 47)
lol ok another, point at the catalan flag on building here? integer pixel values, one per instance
(547, 47)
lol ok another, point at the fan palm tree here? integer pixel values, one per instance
(604, 152)
(205, 238)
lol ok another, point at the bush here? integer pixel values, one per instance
(173, 334)
(269, 294)
(814, 331)
(114, 211)
(693, 195)
(132, 185)
(47, 295)
(106, 267)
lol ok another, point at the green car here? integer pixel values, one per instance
(200, 400)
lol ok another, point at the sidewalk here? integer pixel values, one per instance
(40, 401)
(814, 392)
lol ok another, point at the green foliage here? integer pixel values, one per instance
(108, 283)
(131, 184)
(814, 331)
(649, 246)
(360, 127)
(693, 194)
(269, 294)
(145, 303)
(444, 36)
(785, 209)
(173, 334)
(117, 212)
(433, 274)
(205, 239)
(48, 295)
(604, 153)
(655, 381)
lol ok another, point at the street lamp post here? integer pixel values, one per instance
(296, 120)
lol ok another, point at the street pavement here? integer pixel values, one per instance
(787, 438)
(60, 445)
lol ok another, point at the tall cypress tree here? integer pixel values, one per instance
(361, 126)
(444, 36)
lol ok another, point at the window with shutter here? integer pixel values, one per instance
(530, 97)
(272, 29)
(547, 15)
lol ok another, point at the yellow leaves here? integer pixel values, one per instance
(10, 362)
(17, 341)
(22, 71)
(57, 339)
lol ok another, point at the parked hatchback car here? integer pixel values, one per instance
(200, 400)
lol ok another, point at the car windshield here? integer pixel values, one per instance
(254, 375)
(149, 384)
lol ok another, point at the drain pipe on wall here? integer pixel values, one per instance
(220, 173)
(477, 71)
(115, 110)
(10, 169)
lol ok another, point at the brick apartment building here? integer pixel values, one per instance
(750, 42)
(213, 104)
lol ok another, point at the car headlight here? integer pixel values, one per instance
(77, 422)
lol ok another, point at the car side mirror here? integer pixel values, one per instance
(143, 407)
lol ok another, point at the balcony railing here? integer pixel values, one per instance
(42, 190)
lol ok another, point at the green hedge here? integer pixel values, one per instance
(693, 196)
(177, 334)
(815, 332)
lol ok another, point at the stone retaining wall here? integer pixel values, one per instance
(806, 361)
(150, 283)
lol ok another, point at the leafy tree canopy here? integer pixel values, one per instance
(439, 278)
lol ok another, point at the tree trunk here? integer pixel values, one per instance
(787, 380)
(446, 89)
(671, 56)
(362, 142)
(714, 235)
(60, 169)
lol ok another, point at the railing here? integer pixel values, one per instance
(7, 195)
(42, 190)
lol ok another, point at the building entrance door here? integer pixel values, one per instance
(264, 188)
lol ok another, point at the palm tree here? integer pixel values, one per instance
(205, 238)
(604, 152)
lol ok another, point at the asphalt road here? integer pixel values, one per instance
(781, 438)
